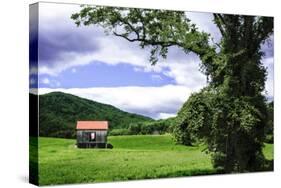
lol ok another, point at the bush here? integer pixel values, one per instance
(269, 139)
(143, 128)
(156, 127)
(118, 132)
(109, 146)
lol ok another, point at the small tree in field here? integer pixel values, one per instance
(230, 113)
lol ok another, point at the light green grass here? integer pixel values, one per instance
(268, 151)
(133, 157)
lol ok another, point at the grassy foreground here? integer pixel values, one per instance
(133, 157)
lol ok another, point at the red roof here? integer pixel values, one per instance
(86, 125)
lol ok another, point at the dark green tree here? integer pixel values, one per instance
(230, 113)
(269, 126)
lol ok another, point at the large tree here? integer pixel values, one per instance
(230, 113)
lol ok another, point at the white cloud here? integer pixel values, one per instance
(269, 84)
(166, 115)
(33, 70)
(45, 81)
(62, 11)
(204, 22)
(186, 73)
(268, 62)
(73, 70)
(50, 82)
(33, 91)
(113, 50)
(156, 102)
(183, 68)
(32, 81)
(156, 77)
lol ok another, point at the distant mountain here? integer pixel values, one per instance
(59, 112)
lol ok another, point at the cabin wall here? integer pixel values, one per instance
(84, 136)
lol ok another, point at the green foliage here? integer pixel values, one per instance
(230, 114)
(231, 127)
(156, 127)
(118, 132)
(146, 128)
(192, 121)
(269, 125)
(59, 113)
(269, 138)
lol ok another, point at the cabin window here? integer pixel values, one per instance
(93, 136)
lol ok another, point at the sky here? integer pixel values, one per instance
(86, 62)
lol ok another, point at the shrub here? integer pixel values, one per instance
(269, 139)
(118, 132)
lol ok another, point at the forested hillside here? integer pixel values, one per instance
(59, 112)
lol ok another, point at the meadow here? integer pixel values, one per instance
(133, 157)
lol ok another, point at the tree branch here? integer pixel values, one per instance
(149, 42)
(125, 37)
(220, 22)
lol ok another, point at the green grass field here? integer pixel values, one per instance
(133, 157)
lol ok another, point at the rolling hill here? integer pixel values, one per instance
(58, 113)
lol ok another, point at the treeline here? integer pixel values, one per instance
(59, 113)
(143, 128)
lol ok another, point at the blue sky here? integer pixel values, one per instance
(98, 74)
(86, 62)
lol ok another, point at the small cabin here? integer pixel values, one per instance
(92, 134)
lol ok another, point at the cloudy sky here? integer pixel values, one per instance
(85, 62)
